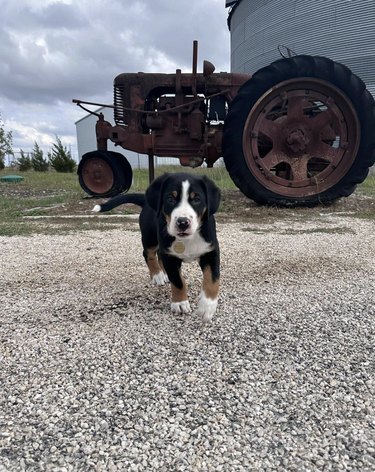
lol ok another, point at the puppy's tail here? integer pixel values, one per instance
(135, 198)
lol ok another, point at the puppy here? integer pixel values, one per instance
(177, 225)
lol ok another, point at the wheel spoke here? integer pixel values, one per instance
(327, 152)
(272, 159)
(327, 134)
(322, 119)
(296, 104)
(299, 168)
(270, 128)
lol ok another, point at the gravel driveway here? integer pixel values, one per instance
(97, 375)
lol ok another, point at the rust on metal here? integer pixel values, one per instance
(98, 175)
(170, 115)
(301, 137)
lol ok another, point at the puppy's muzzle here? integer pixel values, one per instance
(182, 224)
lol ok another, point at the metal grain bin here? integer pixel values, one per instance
(343, 30)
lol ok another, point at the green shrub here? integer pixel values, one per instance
(24, 162)
(37, 159)
(60, 158)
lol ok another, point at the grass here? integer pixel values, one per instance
(368, 186)
(39, 181)
(59, 195)
(68, 183)
(218, 174)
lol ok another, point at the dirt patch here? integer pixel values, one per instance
(28, 211)
(11, 190)
(234, 207)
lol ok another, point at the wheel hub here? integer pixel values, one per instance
(98, 175)
(297, 140)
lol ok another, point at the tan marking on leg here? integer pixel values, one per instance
(152, 261)
(179, 294)
(210, 287)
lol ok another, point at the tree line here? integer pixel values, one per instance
(59, 158)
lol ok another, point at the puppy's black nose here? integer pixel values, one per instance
(183, 223)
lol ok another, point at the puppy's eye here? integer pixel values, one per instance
(196, 199)
(171, 199)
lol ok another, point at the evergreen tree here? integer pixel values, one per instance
(60, 158)
(24, 162)
(37, 159)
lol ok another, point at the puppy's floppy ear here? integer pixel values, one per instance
(154, 193)
(213, 196)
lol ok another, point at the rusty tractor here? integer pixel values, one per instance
(297, 132)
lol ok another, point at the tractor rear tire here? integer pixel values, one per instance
(300, 132)
(104, 173)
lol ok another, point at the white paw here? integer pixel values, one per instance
(180, 307)
(97, 208)
(206, 308)
(160, 279)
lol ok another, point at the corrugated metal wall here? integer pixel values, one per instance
(343, 30)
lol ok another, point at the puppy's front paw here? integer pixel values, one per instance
(181, 307)
(160, 279)
(206, 308)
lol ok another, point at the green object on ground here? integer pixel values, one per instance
(11, 178)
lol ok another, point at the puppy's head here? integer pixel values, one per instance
(185, 200)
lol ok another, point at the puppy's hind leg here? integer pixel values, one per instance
(157, 274)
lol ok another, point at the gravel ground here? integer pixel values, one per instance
(97, 375)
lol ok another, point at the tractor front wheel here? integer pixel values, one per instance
(104, 173)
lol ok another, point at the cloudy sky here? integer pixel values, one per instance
(52, 51)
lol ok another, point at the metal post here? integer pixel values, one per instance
(101, 129)
(195, 57)
(151, 168)
(194, 74)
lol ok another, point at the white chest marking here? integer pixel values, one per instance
(194, 247)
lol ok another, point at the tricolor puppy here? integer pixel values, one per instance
(177, 225)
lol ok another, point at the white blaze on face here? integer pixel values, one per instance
(183, 210)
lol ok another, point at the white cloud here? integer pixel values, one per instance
(73, 49)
